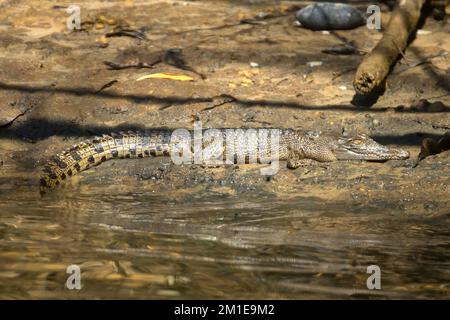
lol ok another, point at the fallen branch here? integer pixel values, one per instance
(375, 67)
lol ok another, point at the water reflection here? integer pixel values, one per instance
(140, 245)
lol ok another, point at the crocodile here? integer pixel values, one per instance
(293, 146)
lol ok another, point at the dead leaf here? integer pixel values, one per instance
(178, 77)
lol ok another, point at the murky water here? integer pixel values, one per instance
(136, 245)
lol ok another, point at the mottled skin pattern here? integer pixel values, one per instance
(294, 146)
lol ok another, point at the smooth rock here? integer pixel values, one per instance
(330, 16)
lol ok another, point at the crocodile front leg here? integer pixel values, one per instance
(294, 163)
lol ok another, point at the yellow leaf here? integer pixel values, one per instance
(179, 77)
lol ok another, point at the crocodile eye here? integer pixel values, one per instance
(357, 142)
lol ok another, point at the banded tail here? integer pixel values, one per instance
(93, 152)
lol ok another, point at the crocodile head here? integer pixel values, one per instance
(362, 147)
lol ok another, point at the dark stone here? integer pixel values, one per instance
(429, 206)
(330, 16)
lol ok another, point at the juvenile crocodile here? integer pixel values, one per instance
(293, 146)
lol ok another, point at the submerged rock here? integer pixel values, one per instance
(330, 16)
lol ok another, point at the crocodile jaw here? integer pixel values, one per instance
(372, 155)
(362, 147)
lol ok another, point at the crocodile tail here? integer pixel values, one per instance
(93, 152)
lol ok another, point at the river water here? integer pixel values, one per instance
(138, 245)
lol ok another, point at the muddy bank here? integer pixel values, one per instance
(56, 90)
(51, 82)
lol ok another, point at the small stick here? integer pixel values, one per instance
(375, 67)
(120, 66)
(422, 61)
(107, 85)
(127, 32)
